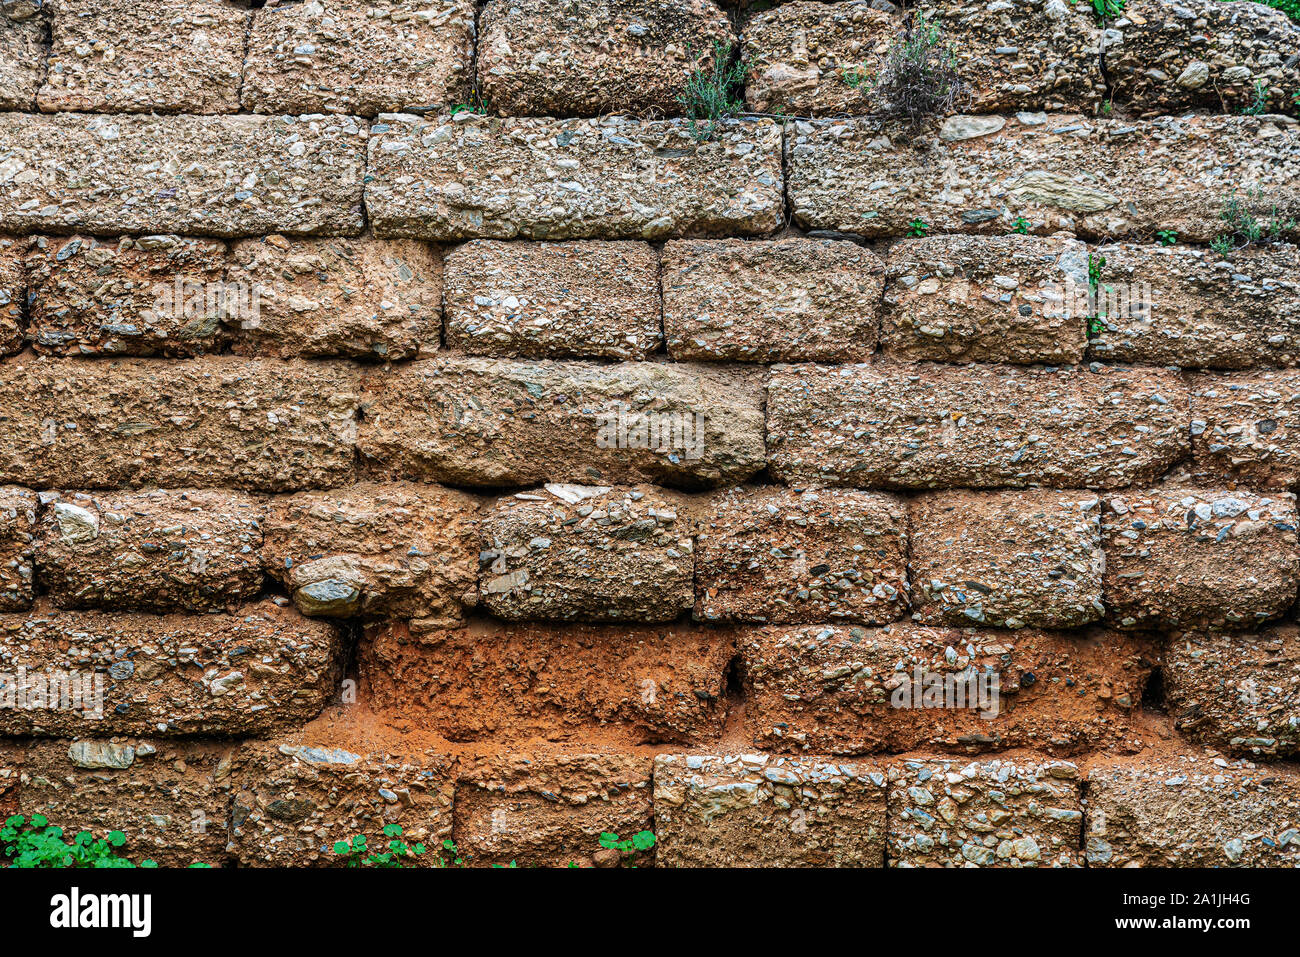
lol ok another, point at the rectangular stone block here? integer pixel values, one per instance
(217, 421)
(1237, 691)
(192, 175)
(360, 56)
(760, 810)
(780, 555)
(24, 32)
(261, 670)
(495, 423)
(1192, 811)
(639, 684)
(1179, 557)
(788, 300)
(13, 294)
(854, 690)
(1098, 178)
(18, 508)
(158, 551)
(1166, 56)
(171, 799)
(986, 299)
(1246, 428)
(553, 300)
(157, 295)
(12, 757)
(549, 810)
(165, 56)
(541, 58)
(998, 813)
(293, 802)
(376, 550)
(1193, 308)
(365, 298)
(588, 553)
(822, 59)
(894, 425)
(1007, 559)
(613, 178)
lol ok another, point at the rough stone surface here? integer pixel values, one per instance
(1190, 811)
(894, 425)
(781, 555)
(156, 295)
(1237, 691)
(588, 553)
(13, 293)
(293, 801)
(1007, 559)
(1193, 308)
(359, 56)
(216, 421)
(261, 670)
(638, 683)
(193, 175)
(853, 690)
(23, 31)
(1002, 813)
(1186, 557)
(758, 810)
(788, 300)
(542, 58)
(553, 300)
(1246, 428)
(985, 299)
(1164, 56)
(165, 56)
(820, 59)
(488, 422)
(151, 551)
(171, 799)
(1097, 177)
(549, 809)
(17, 544)
(613, 178)
(375, 550)
(366, 298)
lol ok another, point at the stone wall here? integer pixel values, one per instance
(405, 418)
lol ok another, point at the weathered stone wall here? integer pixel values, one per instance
(407, 417)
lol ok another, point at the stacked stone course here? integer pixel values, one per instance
(405, 417)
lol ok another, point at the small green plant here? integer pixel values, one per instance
(1247, 229)
(918, 228)
(1259, 101)
(475, 104)
(1106, 9)
(712, 93)
(629, 849)
(919, 75)
(36, 843)
(1020, 225)
(1106, 107)
(1097, 315)
(857, 78)
(394, 853)
(1167, 237)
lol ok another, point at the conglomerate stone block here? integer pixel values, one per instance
(260, 670)
(1246, 428)
(760, 810)
(217, 421)
(1008, 559)
(359, 56)
(588, 553)
(192, 175)
(788, 300)
(17, 546)
(543, 58)
(913, 426)
(165, 56)
(195, 550)
(611, 178)
(24, 28)
(1180, 557)
(13, 294)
